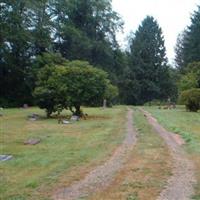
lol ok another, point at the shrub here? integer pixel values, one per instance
(191, 99)
(70, 86)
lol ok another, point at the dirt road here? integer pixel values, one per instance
(102, 176)
(180, 185)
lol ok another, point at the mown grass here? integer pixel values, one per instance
(64, 149)
(187, 124)
(146, 171)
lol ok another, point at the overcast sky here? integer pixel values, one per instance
(172, 15)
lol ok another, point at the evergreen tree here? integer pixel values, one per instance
(179, 57)
(149, 63)
(191, 47)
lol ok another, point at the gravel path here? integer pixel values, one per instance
(102, 176)
(180, 185)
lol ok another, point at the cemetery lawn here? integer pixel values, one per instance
(65, 153)
(187, 124)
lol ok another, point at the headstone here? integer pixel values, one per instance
(65, 122)
(32, 141)
(74, 118)
(5, 157)
(25, 106)
(104, 103)
(1, 111)
(33, 117)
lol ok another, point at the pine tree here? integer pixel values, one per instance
(179, 57)
(148, 61)
(191, 47)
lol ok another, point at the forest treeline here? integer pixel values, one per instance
(36, 33)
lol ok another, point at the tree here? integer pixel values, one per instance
(111, 93)
(148, 62)
(41, 26)
(179, 48)
(191, 77)
(191, 46)
(191, 99)
(15, 52)
(83, 30)
(70, 86)
(86, 31)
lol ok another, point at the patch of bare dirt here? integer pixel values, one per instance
(102, 176)
(180, 186)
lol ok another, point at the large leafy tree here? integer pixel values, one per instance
(71, 85)
(26, 27)
(86, 30)
(149, 63)
(15, 50)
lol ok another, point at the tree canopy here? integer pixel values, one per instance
(70, 86)
(37, 34)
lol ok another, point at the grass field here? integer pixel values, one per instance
(66, 152)
(187, 124)
(147, 170)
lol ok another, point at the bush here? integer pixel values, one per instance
(191, 99)
(70, 86)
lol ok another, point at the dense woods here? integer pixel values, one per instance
(37, 34)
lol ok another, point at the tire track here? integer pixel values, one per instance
(180, 184)
(103, 175)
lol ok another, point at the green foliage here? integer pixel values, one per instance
(48, 59)
(191, 77)
(71, 85)
(148, 63)
(191, 45)
(32, 30)
(191, 99)
(111, 93)
(188, 44)
(15, 45)
(155, 102)
(188, 81)
(86, 31)
(179, 48)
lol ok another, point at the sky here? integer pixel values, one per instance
(172, 15)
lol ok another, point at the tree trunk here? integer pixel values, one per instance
(78, 111)
(48, 112)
